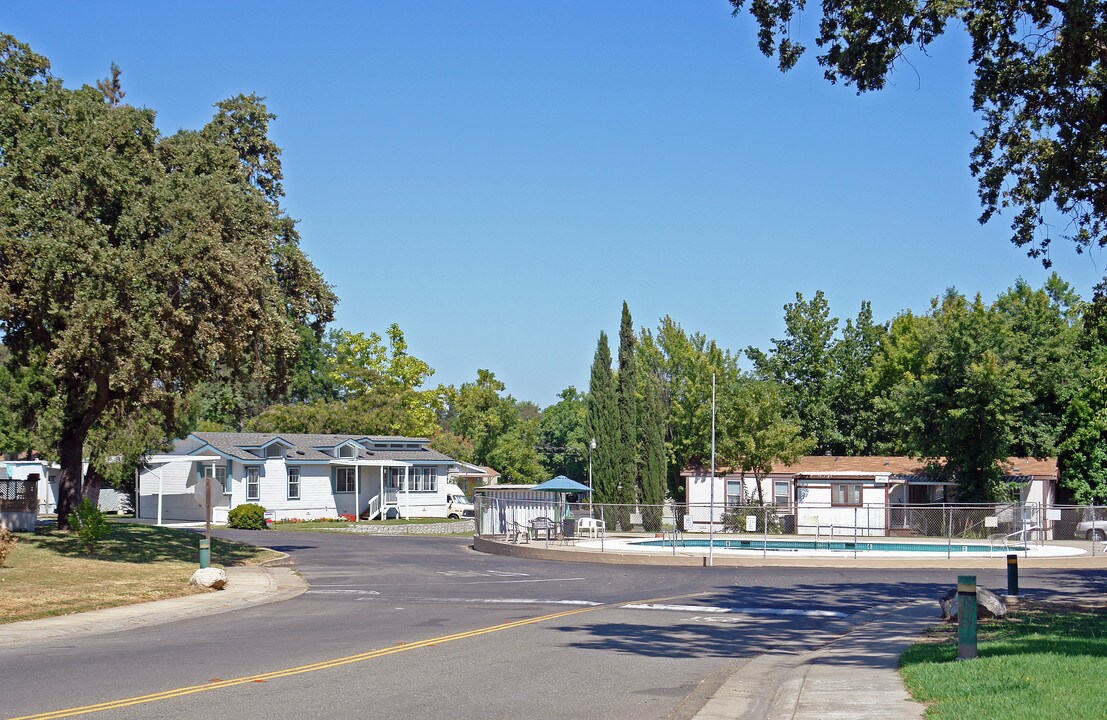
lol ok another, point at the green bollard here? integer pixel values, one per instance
(966, 617)
(1012, 575)
(205, 553)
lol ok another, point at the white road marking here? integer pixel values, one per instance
(715, 611)
(488, 582)
(479, 573)
(737, 610)
(342, 592)
(502, 601)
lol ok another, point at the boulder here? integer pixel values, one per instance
(209, 577)
(988, 605)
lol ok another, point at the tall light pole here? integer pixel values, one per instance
(591, 447)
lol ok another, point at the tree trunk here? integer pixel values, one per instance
(93, 482)
(760, 493)
(70, 452)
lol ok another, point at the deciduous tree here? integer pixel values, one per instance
(135, 264)
(1040, 73)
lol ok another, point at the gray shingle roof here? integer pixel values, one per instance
(308, 447)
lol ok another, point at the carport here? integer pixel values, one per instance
(159, 461)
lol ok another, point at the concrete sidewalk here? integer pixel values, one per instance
(246, 585)
(854, 676)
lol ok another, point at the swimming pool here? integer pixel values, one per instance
(835, 545)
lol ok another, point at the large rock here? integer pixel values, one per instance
(209, 577)
(988, 605)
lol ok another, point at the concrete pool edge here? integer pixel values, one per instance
(572, 553)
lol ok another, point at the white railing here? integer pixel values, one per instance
(374, 508)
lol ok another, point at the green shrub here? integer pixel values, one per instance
(247, 517)
(734, 517)
(7, 544)
(90, 525)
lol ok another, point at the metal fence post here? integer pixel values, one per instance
(603, 532)
(764, 531)
(855, 533)
(949, 534)
(1093, 529)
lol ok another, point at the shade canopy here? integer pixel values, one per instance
(561, 484)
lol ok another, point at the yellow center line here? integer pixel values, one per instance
(325, 664)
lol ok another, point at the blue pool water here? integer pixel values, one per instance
(840, 545)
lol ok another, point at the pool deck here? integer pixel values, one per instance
(616, 552)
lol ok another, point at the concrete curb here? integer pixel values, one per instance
(855, 675)
(247, 585)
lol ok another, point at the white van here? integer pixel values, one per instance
(457, 505)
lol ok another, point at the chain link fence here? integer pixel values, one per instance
(996, 525)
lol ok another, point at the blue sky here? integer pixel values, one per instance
(497, 177)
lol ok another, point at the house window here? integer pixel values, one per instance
(219, 472)
(293, 483)
(274, 451)
(733, 492)
(345, 480)
(419, 479)
(346, 451)
(253, 484)
(782, 496)
(845, 494)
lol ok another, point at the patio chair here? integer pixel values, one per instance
(543, 525)
(592, 526)
(517, 533)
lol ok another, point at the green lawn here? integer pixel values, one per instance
(1037, 664)
(48, 574)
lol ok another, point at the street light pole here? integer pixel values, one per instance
(591, 447)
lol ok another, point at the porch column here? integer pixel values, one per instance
(407, 499)
(161, 487)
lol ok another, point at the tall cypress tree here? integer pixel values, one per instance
(603, 424)
(627, 483)
(653, 454)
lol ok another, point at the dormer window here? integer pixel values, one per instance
(274, 451)
(346, 451)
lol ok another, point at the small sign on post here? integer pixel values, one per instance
(751, 523)
(966, 617)
(207, 487)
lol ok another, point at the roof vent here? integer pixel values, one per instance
(886, 463)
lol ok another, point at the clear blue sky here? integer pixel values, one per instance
(497, 177)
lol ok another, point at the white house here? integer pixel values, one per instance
(46, 473)
(822, 491)
(298, 476)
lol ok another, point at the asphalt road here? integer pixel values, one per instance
(424, 627)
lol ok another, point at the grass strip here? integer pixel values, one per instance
(1044, 664)
(48, 574)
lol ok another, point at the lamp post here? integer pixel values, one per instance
(591, 447)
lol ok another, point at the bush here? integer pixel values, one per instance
(247, 517)
(90, 525)
(734, 517)
(7, 544)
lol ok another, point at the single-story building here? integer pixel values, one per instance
(46, 473)
(822, 491)
(298, 476)
(470, 477)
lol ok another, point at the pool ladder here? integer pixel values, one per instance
(674, 535)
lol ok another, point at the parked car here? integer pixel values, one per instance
(1091, 530)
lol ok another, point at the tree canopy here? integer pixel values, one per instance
(135, 263)
(1040, 73)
